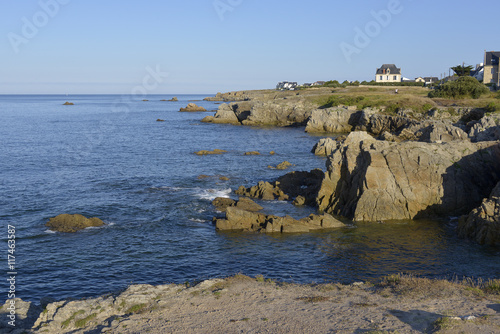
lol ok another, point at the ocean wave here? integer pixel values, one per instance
(211, 194)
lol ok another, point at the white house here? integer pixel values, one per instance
(388, 73)
(285, 85)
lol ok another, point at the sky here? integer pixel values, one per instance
(210, 46)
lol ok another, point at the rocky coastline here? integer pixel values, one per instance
(440, 163)
(379, 167)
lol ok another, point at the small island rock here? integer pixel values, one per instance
(191, 107)
(72, 223)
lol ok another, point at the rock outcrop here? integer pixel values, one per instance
(324, 147)
(375, 123)
(244, 203)
(483, 223)
(276, 113)
(370, 180)
(282, 166)
(237, 219)
(72, 223)
(333, 120)
(287, 187)
(224, 115)
(68, 104)
(192, 107)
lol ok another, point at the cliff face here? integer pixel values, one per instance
(276, 113)
(370, 180)
(483, 223)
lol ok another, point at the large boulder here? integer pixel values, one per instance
(433, 132)
(244, 203)
(370, 180)
(333, 120)
(372, 121)
(485, 129)
(72, 223)
(279, 113)
(224, 115)
(483, 223)
(324, 147)
(237, 219)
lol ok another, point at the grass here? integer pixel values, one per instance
(443, 323)
(83, 322)
(138, 308)
(66, 322)
(414, 98)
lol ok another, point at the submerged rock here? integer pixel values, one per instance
(370, 180)
(282, 166)
(72, 223)
(205, 152)
(483, 223)
(252, 153)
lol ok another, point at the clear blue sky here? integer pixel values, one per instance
(105, 46)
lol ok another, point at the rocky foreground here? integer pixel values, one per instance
(240, 304)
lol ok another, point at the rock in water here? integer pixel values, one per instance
(191, 107)
(205, 152)
(68, 104)
(72, 223)
(370, 180)
(238, 219)
(483, 223)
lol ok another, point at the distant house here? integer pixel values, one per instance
(491, 68)
(478, 73)
(427, 80)
(319, 83)
(285, 85)
(388, 73)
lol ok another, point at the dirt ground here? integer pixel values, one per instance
(254, 305)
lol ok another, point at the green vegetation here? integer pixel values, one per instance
(464, 87)
(462, 70)
(66, 322)
(136, 308)
(83, 322)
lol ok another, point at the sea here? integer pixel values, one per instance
(107, 156)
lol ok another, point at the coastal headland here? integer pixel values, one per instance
(389, 157)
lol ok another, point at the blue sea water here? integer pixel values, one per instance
(108, 157)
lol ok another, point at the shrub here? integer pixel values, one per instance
(464, 87)
(491, 107)
(336, 100)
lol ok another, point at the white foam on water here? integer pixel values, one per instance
(211, 194)
(195, 220)
(50, 232)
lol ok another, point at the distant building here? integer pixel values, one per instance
(285, 85)
(491, 70)
(319, 83)
(388, 73)
(478, 73)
